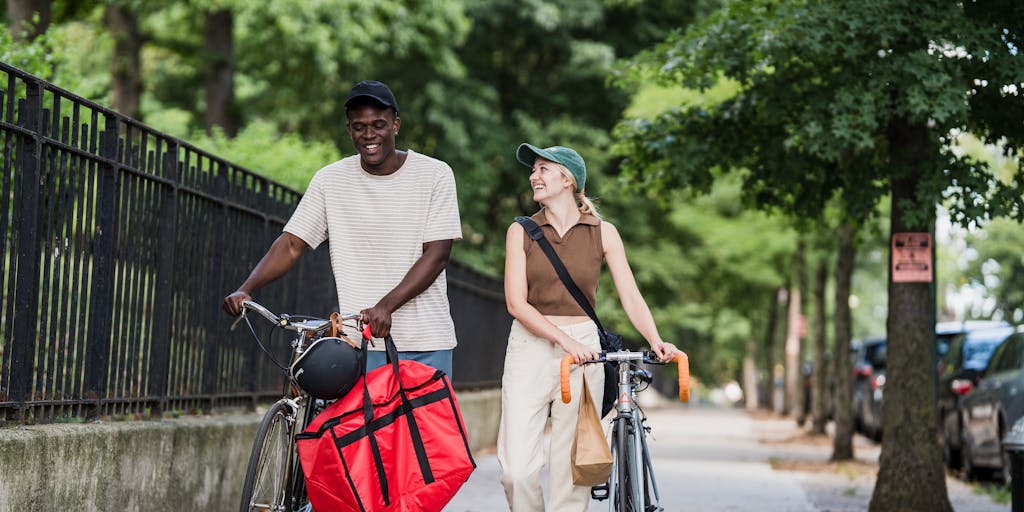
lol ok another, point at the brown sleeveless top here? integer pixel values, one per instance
(582, 254)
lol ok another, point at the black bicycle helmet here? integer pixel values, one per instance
(327, 369)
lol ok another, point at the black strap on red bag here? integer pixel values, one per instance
(414, 429)
(610, 342)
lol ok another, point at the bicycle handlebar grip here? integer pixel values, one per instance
(567, 361)
(683, 363)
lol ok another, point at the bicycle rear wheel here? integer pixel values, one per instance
(267, 477)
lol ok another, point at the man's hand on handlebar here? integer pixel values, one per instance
(232, 304)
(665, 351)
(379, 319)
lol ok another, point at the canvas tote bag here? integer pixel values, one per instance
(591, 456)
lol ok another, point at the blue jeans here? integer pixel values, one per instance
(440, 359)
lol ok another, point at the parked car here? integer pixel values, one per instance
(960, 367)
(868, 377)
(995, 404)
(870, 373)
(946, 331)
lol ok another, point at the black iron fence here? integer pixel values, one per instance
(118, 244)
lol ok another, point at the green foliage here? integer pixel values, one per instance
(545, 65)
(821, 87)
(998, 266)
(284, 158)
(72, 55)
(36, 56)
(707, 268)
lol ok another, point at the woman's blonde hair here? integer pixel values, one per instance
(583, 203)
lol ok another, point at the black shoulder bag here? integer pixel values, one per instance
(610, 342)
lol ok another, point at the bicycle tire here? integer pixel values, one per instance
(636, 469)
(267, 477)
(626, 497)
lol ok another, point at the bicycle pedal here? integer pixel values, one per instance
(599, 492)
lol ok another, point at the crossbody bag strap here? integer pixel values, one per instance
(537, 235)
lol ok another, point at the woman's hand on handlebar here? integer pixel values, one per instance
(232, 304)
(579, 351)
(665, 351)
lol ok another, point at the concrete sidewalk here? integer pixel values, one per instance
(710, 459)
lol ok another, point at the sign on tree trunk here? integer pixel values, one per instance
(911, 258)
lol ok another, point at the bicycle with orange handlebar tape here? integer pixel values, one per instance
(631, 486)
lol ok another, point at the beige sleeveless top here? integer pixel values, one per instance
(581, 253)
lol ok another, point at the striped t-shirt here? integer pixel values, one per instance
(377, 226)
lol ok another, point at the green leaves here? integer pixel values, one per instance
(819, 87)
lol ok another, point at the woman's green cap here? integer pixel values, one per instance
(568, 157)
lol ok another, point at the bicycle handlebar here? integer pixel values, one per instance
(285, 322)
(681, 360)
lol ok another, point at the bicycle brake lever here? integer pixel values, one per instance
(239, 319)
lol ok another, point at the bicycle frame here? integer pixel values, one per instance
(630, 445)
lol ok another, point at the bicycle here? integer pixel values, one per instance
(632, 486)
(273, 478)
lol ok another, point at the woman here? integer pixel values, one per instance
(549, 323)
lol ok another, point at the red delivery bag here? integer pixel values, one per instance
(396, 443)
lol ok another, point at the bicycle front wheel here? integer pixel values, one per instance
(625, 461)
(266, 478)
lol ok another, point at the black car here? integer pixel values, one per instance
(868, 378)
(960, 367)
(995, 404)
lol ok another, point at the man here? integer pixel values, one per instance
(391, 217)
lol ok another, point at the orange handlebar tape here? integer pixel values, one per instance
(566, 392)
(683, 363)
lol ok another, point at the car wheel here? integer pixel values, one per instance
(969, 471)
(1005, 473)
(951, 456)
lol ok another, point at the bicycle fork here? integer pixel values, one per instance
(648, 470)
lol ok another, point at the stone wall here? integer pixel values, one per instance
(190, 463)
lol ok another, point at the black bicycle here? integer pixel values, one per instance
(273, 479)
(632, 485)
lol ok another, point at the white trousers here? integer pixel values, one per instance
(530, 388)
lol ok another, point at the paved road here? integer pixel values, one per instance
(720, 460)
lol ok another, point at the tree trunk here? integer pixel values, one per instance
(842, 443)
(219, 72)
(819, 374)
(750, 375)
(779, 403)
(20, 14)
(768, 385)
(794, 365)
(126, 61)
(910, 475)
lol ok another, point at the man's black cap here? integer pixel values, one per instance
(375, 90)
